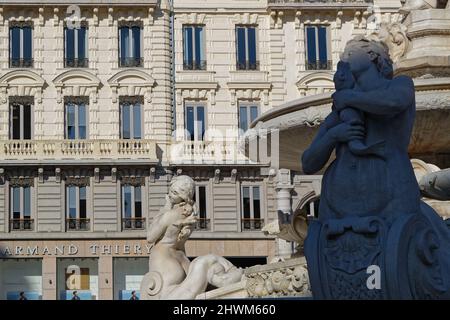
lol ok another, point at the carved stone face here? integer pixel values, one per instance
(343, 78)
(358, 59)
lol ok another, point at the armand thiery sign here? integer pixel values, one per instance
(24, 249)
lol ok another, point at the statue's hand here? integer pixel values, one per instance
(341, 98)
(345, 132)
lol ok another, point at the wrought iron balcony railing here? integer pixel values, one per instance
(247, 65)
(76, 63)
(21, 63)
(133, 223)
(319, 65)
(129, 62)
(202, 224)
(251, 224)
(26, 224)
(194, 65)
(80, 224)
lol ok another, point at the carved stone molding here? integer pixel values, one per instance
(132, 180)
(217, 176)
(196, 92)
(276, 19)
(131, 82)
(192, 18)
(245, 92)
(282, 279)
(21, 83)
(76, 82)
(245, 18)
(77, 181)
(152, 174)
(21, 181)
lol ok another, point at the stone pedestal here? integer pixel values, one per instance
(429, 46)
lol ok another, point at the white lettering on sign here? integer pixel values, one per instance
(95, 249)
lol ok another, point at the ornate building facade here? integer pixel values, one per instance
(98, 114)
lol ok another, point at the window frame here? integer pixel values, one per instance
(317, 51)
(22, 206)
(21, 26)
(130, 26)
(247, 51)
(201, 66)
(76, 101)
(21, 101)
(248, 105)
(252, 212)
(195, 105)
(132, 102)
(76, 44)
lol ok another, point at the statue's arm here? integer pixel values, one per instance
(318, 153)
(387, 102)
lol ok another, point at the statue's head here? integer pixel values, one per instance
(362, 53)
(181, 189)
(343, 78)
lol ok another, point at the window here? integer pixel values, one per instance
(21, 118)
(76, 117)
(248, 112)
(195, 122)
(130, 45)
(200, 201)
(132, 207)
(131, 117)
(20, 45)
(193, 44)
(251, 208)
(246, 48)
(76, 208)
(317, 48)
(21, 208)
(76, 47)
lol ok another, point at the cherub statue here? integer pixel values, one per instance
(171, 275)
(343, 79)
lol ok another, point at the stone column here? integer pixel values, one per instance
(284, 208)
(105, 278)
(49, 269)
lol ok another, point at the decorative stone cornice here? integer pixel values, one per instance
(245, 18)
(132, 82)
(21, 83)
(76, 82)
(192, 18)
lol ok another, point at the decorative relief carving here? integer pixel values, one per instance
(192, 18)
(245, 18)
(21, 181)
(77, 181)
(278, 280)
(132, 180)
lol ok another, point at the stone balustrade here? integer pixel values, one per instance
(206, 152)
(77, 149)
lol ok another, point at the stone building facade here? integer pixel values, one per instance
(95, 120)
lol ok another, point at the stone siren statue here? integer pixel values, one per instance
(374, 238)
(171, 275)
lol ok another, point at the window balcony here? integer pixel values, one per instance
(131, 62)
(319, 65)
(21, 63)
(195, 65)
(78, 149)
(76, 63)
(247, 65)
(133, 223)
(25, 224)
(251, 224)
(202, 224)
(81, 224)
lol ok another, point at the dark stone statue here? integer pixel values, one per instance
(374, 238)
